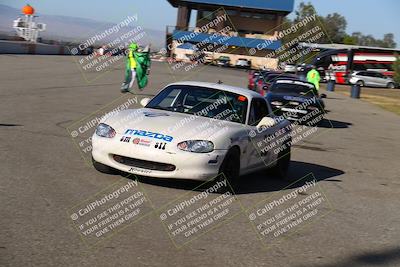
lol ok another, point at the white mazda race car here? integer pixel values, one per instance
(194, 130)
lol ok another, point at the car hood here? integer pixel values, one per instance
(173, 126)
(289, 97)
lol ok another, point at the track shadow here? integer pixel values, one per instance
(388, 257)
(263, 182)
(9, 125)
(325, 123)
(256, 182)
(335, 98)
(184, 184)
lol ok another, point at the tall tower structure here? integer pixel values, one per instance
(26, 27)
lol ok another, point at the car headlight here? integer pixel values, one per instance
(312, 107)
(105, 130)
(196, 146)
(276, 103)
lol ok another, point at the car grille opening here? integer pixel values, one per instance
(144, 164)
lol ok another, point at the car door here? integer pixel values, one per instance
(374, 78)
(380, 80)
(366, 78)
(260, 139)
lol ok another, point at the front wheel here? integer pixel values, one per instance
(230, 167)
(280, 170)
(360, 83)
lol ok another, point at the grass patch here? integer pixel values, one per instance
(388, 99)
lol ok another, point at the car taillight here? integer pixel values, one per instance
(251, 84)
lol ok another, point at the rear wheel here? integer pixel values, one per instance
(390, 85)
(230, 167)
(281, 168)
(103, 168)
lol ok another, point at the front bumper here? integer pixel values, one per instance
(353, 80)
(293, 114)
(149, 161)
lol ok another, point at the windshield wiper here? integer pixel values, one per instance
(160, 108)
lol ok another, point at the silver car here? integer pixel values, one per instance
(371, 78)
(243, 63)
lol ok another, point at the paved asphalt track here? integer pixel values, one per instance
(43, 175)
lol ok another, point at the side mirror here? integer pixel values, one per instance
(266, 122)
(144, 101)
(323, 95)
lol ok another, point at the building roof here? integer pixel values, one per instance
(257, 5)
(224, 40)
(187, 46)
(344, 46)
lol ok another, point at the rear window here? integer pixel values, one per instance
(273, 77)
(293, 87)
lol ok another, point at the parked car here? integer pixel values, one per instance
(243, 63)
(224, 61)
(371, 78)
(253, 75)
(208, 59)
(290, 68)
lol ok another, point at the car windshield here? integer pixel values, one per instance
(293, 87)
(261, 73)
(201, 101)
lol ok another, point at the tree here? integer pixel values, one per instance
(396, 69)
(388, 40)
(303, 11)
(335, 27)
(349, 40)
(369, 40)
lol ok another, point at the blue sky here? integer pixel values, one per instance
(374, 17)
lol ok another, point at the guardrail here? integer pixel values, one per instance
(20, 47)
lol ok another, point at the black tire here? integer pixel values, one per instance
(230, 167)
(390, 85)
(103, 168)
(360, 83)
(280, 170)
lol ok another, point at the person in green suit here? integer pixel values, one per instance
(137, 65)
(313, 77)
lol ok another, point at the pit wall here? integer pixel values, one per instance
(20, 47)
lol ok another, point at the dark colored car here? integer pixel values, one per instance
(296, 100)
(256, 78)
(264, 83)
(224, 61)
